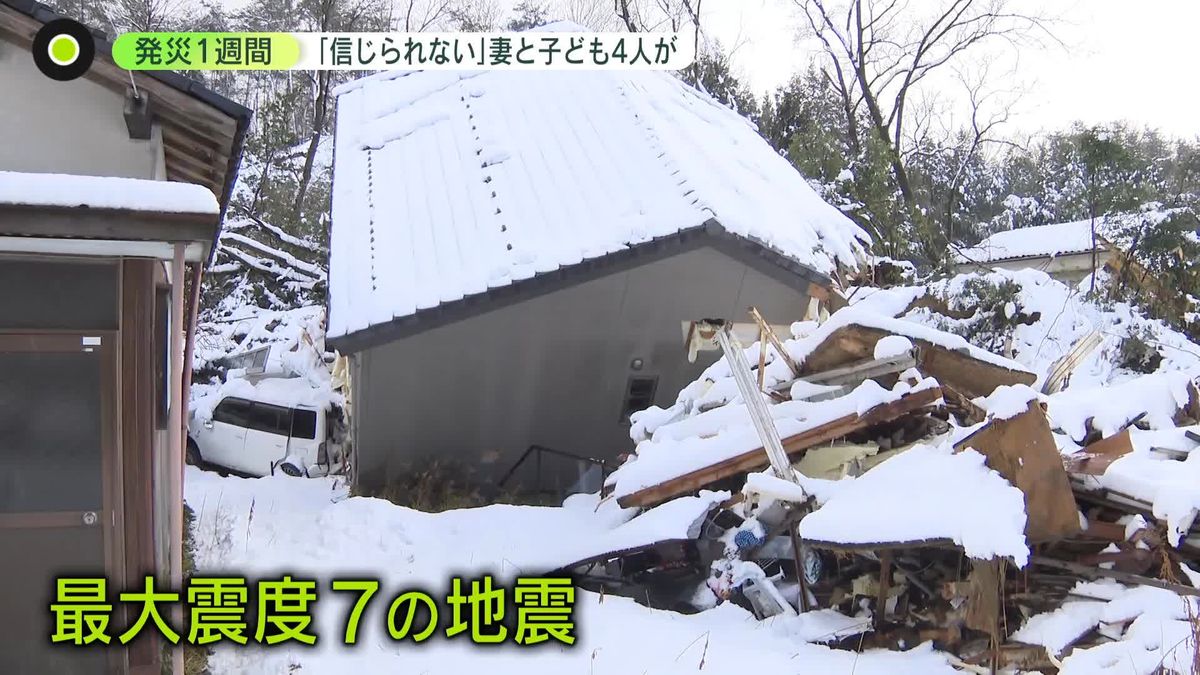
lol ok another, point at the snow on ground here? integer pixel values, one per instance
(271, 526)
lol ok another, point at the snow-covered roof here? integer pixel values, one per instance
(1034, 242)
(448, 184)
(105, 192)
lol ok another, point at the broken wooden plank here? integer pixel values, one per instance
(865, 370)
(957, 402)
(1124, 577)
(793, 445)
(765, 328)
(876, 546)
(885, 584)
(973, 377)
(1095, 459)
(1022, 449)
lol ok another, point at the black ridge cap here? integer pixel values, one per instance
(240, 113)
(711, 234)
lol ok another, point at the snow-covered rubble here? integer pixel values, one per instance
(294, 371)
(922, 483)
(312, 529)
(923, 495)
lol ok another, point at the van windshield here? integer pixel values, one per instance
(304, 423)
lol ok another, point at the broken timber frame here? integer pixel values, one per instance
(792, 445)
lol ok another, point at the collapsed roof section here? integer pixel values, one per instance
(913, 509)
(449, 185)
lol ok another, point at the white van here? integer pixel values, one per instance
(261, 439)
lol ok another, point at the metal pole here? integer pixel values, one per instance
(752, 395)
(175, 448)
(764, 424)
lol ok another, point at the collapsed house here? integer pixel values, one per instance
(928, 493)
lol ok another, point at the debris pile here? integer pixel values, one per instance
(927, 493)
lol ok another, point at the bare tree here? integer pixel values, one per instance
(476, 15)
(593, 14)
(414, 16)
(877, 53)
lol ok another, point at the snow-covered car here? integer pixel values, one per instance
(262, 438)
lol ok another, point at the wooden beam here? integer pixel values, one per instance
(180, 174)
(179, 160)
(885, 584)
(793, 445)
(93, 223)
(969, 375)
(206, 148)
(1124, 577)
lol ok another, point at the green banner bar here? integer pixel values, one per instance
(206, 51)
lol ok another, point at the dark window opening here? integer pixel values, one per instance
(304, 423)
(639, 395)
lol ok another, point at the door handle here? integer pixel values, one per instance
(89, 518)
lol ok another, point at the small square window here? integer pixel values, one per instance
(639, 395)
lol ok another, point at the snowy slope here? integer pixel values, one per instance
(451, 183)
(1064, 316)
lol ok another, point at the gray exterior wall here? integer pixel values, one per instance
(550, 370)
(1070, 269)
(73, 127)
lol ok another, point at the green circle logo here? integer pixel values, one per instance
(64, 49)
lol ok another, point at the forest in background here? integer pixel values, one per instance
(867, 123)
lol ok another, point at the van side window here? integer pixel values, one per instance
(233, 411)
(270, 418)
(304, 423)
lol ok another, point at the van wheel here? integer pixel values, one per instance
(290, 470)
(193, 454)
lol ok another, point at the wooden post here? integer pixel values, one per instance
(885, 583)
(798, 558)
(175, 448)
